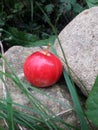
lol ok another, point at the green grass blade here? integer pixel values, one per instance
(10, 112)
(76, 102)
(30, 121)
(47, 117)
(31, 3)
(9, 107)
(47, 18)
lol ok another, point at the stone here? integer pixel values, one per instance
(16, 56)
(79, 40)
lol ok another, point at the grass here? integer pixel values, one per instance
(45, 119)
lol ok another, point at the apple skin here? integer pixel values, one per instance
(41, 69)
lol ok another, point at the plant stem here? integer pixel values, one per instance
(31, 2)
(47, 49)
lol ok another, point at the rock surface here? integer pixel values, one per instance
(16, 57)
(79, 40)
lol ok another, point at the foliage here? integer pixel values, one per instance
(92, 3)
(28, 23)
(16, 37)
(76, 102)
(28, 17)
(43, 117)
(92, 104)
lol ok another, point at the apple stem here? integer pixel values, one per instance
(47, 49)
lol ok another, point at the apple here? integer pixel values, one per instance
(42, 68)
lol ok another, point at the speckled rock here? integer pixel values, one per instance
(16, 56)
(79, 40)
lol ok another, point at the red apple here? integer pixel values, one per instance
(42, 68)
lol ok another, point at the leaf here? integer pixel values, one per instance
(15, 37)
(92, 104)
(68, 6)
(18, 7)
(50, 40)
(9, 106)
(1, 23)
(73, 2)
(49, 8)
(77, 8)
(76, 102)
(10, 112)
(92, 3)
